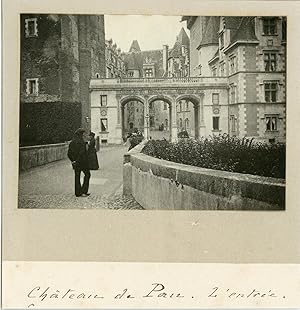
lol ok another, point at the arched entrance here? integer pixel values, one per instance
(188, 115)
(160, 108)
(132, 115)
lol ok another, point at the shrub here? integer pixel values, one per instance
(223, 153)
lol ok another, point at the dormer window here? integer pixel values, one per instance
(148, 72)
(269, 26)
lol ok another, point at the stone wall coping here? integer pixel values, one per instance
(210, 172)
(32, 147)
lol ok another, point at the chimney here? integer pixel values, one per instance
(165, 57)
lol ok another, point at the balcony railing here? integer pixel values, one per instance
(169, 80)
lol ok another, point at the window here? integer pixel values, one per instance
(165, 106)
(270, 61)
(187, 105)
(180, 123)
(269, 26)
(233, 124)
(214, 71)
(148, 72)
(166, 123)
(103, 100)
(222, 69)
(180, 106)
(186, 123)
(215, 98)
(32, 87)
(270, 91)
(232, 63)
(31, 27)
(130, 73)
(271, 122)
(232, 93)
(216, 120)
(104, 125)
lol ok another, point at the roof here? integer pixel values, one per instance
(246, 30)
(181, 40)
(135, 61)
(135, 47)
(211, 35)
(232, 22)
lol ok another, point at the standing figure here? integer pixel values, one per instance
(78, 154)
(92, 153)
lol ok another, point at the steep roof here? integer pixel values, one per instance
(211, 35)
(232, 22)
(246, 30)
(135, 47)
(183, 38)
(135, 61)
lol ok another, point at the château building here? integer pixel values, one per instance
(251, 53)
(59, 56)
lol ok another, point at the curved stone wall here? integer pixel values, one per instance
(160, 184)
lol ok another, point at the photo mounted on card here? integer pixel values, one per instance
(148, 155)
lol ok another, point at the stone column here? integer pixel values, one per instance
(146, 119)
(201, 117)
(118, 137)
(173, 121)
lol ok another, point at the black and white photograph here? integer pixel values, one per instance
(152, 112)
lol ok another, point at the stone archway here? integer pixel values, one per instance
(138, 115)
(188, 118)
(164, 121)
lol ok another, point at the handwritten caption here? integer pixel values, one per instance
(38, 294)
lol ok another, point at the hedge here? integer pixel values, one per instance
(223, 153)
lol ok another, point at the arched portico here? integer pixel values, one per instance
(167, 100)
(123, 102)
(118, 92)
(197, 102)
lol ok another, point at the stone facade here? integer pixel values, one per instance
(251, 53)
(59, 55)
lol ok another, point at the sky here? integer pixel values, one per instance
(151, 31)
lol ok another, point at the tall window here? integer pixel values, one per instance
(31, 27)
(166, 123)
(32, 87)
(222, 69)
(104, 127)
(270, 61)
(180, 106)
(271, 122)
(216, 120)
(232, 93)
(180, 123)
(269, 26)
(270, 91)
(214, 71)
(232, 63)
(215, 98)
(232, 121)
(165, 106)
(103, 100)
(186, 123)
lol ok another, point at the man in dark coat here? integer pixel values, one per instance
(78, 154)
